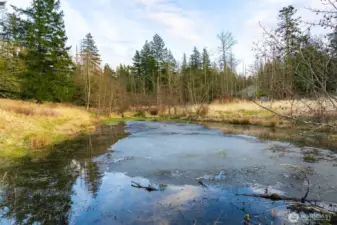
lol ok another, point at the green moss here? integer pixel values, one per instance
(10, 153)
(310, 158)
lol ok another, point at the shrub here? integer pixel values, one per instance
(244, 121)
(272, 124)
(153, 111)
(140, 113)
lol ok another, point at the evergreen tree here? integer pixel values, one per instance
(89, 49)
(171, 60)
(184, 65)
(41, 31)
(91, 70)
(288, 31)
(195, 59)
(158, 49)
(206, 62)
(148, 67)
(137, 69)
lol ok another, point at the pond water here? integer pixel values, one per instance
(194, 175)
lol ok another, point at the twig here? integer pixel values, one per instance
(202, 184)
(149, 188)
(274, 197)
(4, 177)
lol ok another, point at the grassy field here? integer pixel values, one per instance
(27, 126)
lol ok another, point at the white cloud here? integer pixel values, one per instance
(121, 27)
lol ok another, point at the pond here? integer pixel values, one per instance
(168, 173)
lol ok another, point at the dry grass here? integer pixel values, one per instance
(238, 111)
(38, 141)
(25, 125)
(27, 108)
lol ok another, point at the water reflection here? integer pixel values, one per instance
(39, 192)
(88, 181)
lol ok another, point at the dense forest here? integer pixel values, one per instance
(35, 63)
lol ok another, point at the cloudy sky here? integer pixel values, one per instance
(121, 27)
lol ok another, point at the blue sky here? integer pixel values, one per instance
(121, 27)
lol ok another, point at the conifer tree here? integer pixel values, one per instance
(41, 31)
(289, 33)
(91, 67)
(206, 62)
(195, 59)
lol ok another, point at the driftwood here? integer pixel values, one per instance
(275, 197)
(149, 188)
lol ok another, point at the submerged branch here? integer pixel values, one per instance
(274, 197)
(149, 188)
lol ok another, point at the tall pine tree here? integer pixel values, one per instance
(49, 66)
(91, 68)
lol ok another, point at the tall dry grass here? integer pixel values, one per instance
(237, 111)
(25, 125)
(27, 108)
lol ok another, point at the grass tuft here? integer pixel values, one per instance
(310, 158)
(39, 141)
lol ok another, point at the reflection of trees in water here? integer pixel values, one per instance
(40, 191)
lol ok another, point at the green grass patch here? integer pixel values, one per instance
(12, 153)
(310, 158)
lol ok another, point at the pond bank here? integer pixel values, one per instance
(26, 126)
(299, 134)
(199, 175)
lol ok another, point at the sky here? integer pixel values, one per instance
(120, 27)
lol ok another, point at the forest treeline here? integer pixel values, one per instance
(35, 63)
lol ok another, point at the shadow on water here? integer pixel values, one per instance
(181, 174)
(39, 191)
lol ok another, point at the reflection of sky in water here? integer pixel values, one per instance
(119, 202)
(179, 156)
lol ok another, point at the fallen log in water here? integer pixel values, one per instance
(274, 197)
(149, 188)
(301, 203)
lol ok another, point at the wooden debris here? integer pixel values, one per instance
(149, 188)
